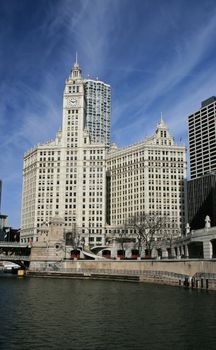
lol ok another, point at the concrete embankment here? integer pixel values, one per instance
(200, 274)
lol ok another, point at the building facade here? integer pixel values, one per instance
(92, 187)
(147, 177)
(67, 175)
(201, 196)
(202, 143)
(98, 101)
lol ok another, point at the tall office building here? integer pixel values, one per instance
(201, 189)
(75, 177)
(67, 175)
(97, 99)
(147, 177)
(202, 141)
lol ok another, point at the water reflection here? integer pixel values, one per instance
(39, 313)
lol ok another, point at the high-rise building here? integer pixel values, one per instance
(97, 100)
(202, 150)
(147, 177)
(202, 141)
(67, 175)
(90, 187)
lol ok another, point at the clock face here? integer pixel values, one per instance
(72, 102)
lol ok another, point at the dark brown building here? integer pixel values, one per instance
(201, 195)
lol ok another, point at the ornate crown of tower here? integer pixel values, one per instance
(162, 133)
(76, 70)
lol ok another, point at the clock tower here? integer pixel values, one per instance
(73, 108)
(71, 176)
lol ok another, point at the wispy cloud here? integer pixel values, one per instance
(192, 51)
(153, 60)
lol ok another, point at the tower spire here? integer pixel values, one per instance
(161, 117)
(76, 71)
(161, 124)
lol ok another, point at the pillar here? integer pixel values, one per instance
(164, 254)
(186, 251)
(207, 250)
(173, 253)
(103, 240)
(178, 252)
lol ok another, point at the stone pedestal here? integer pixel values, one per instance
(44, 252)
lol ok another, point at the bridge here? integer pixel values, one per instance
(15, 252)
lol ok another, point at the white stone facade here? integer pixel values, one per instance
(148, 177)
(92, 189)
(67, 175)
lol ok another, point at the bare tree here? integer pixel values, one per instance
(148, 228)
(72, 237)
(121, 237)
(170, 233)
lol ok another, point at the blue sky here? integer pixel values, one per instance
(158, 55)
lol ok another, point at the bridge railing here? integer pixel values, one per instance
(13, 244)
(14, 258)
(147, 273)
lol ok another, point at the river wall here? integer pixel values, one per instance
(199, 274)
(186, 267)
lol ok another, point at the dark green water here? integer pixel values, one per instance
(65, 314)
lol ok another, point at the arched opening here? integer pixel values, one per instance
(147, 254)
(75, 254)
(13, 266)
(97, 249)
(121, 254)
(213, 242)
(159, 253)
(169, 253)
(69, 238)
(134, 253)
(106, 254)
(195, 250)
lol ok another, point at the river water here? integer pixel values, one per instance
(63, 314)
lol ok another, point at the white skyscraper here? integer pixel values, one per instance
(67, 175)
(148, 177)
(90, 187)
